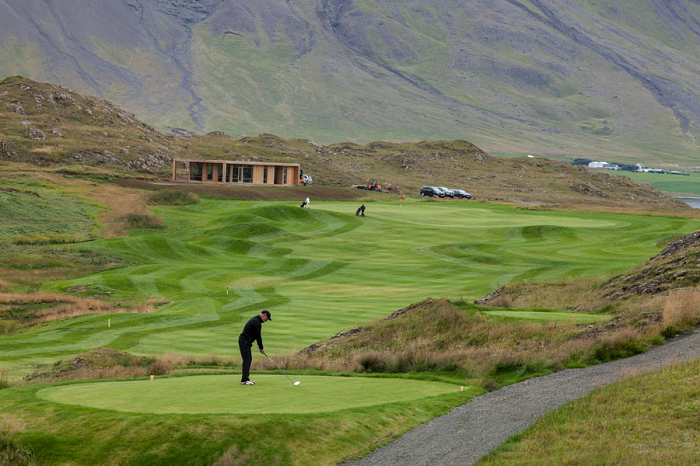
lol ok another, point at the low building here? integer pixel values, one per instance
(237, 173)
(611, 166)
(596, 164)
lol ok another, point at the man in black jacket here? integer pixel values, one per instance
(251, 333)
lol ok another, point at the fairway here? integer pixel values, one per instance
(322, 270)
(552, 316)
(218, 394)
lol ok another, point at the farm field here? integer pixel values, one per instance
(322, 270)
(676, 185)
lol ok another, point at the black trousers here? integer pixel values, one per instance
(245, 346)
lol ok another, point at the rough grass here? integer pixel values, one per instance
(653, 419)
(19, 311)
(143, 221)
(172, 198)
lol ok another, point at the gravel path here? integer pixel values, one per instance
(470, 431)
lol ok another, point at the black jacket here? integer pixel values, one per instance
(251, 331)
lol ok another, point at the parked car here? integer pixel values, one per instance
(448, 192)
(431, 191)
(462, 194)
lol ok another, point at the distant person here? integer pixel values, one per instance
(361, 211)
(307, 203)
(251, 333)
(303, 204)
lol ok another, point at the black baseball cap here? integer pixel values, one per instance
(267, 313)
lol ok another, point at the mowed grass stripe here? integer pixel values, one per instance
(322, 270)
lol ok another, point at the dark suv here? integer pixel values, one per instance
(462, 194)
(431, 191)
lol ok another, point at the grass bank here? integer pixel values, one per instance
(646, 419)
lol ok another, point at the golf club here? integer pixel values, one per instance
(278, 367)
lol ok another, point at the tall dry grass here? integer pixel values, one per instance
(65, 307)
(12, 452)
(578, 294)
(681, 309)
(438, 336)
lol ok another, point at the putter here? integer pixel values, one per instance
(278, 367)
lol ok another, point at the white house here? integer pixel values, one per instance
(595, 164)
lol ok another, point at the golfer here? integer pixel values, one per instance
(251, 333)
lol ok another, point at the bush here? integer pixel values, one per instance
(44, 238)
(172, 198)
(159, 368)
(610, 351)
(143, 221)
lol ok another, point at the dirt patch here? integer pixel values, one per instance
(258, 193)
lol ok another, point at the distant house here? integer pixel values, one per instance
(237, 173)
(640, 167)
(653, 170)
(595, 164)
(611, 166)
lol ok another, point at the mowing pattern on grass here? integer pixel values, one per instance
(272, 394)
(324, 270)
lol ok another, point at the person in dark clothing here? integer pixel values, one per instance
(251, 333)
(361, 210)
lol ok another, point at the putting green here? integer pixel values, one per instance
(272, 394)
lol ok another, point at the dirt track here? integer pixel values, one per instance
(259, 193)
(470, 431)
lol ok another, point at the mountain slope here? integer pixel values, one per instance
(609, 79)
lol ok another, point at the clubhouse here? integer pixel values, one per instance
(237, 173)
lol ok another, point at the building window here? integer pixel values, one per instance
(247, 173)
(210, 171)
(265, 174)
(196, 171)
(284, 175)
(228, 172)
(220, 172)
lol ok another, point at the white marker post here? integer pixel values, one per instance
(109, 323)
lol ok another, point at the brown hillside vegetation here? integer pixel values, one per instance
(49, 125)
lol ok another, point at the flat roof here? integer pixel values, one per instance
(281, 164)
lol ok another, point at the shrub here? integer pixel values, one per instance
(372, 362)
(159, 367)
(44, 238)
(143, 221)
(624, 344)
(172, 198)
